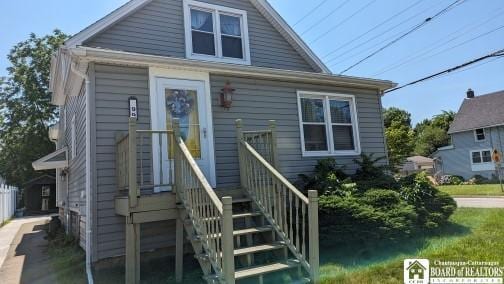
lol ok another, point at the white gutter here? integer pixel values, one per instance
(89, 271)
(136, 59)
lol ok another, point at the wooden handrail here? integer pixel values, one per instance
(212, 219)
(275, 173)
(293, 215)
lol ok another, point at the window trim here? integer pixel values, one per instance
(216, 11)
(481, 155)
(328, 124)
(73, 138)
(476, 135)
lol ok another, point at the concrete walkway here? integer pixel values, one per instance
(9, 232)
(480, 202)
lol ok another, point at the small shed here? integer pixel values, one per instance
(40, 195)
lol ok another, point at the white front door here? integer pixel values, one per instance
(189, 102)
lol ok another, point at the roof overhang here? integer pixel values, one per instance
(55, 160)
(98, 55)
(261, 5)
(63, 79)
(474, 128)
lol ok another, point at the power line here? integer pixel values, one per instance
(494, 54)
(422, 57)
(344, 21)
(417, 27)
(372, 29)
(324, 18)
(380, 35)
(311, 12)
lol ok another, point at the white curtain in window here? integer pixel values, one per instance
(201, 21)
(230, 25)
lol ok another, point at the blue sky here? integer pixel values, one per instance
(441, 44)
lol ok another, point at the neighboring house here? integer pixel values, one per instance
(40, 195)
(476, 132)
(417, 164)
(204, 64)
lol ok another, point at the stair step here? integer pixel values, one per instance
(241, 200)
(245, 231)
(259, 248)
(237, 216)
(263, 269)
(252, 230)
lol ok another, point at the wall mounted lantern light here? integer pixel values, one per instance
(226, 96)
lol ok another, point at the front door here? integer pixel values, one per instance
(187, 101)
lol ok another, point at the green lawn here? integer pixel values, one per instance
(477, 190)
(474, 234)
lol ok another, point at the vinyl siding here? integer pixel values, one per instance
(113, 86)
(257, 101)
(158, 29)
(457, 161)
(75, 106)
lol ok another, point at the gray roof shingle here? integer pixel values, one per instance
(479, 112)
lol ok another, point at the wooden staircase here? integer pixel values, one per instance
(271, 233)
(259, 253)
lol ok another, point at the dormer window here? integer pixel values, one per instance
(479, 135)
(216, 33)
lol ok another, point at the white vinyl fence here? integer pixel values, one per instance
(7, 202)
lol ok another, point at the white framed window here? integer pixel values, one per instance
(46, 190)
(216, 33)
(328, 124)
(481, 160)
(73, 139)
(479, 135)
(481, 157)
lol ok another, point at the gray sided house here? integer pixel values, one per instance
(167, 106)
(476, 133)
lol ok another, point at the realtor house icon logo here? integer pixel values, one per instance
(416, 271)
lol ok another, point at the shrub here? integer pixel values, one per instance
(451, 180)
(371, 175)
(328, 179)
(432, 206)
(377, 214)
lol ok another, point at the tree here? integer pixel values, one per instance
(400, 143)
(399, 135)
(398, 115)
(25, 104)
(432, 134)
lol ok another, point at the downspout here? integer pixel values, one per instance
(85, 77)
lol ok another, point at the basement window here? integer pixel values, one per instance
(216, 33)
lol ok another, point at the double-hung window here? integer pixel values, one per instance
(481, 157)
(479, 135)
(216, 33)
(328, 124)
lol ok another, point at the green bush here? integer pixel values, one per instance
(328, 179)
(371, 175)
(432, 206)
(377, 214)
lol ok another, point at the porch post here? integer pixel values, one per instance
(313, 235)
(132, 252)
(179, 229)
(133, 191)
(227, 241)
(274, 151)
(239, 139)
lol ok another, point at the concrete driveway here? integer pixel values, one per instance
(480, 202)
(23, 252)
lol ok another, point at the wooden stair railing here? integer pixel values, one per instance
(293, 215)
(211, 219)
